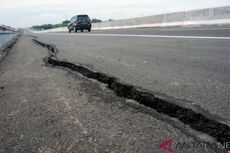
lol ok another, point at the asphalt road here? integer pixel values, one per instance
(179, 31)
(185, 63)
(51, 110)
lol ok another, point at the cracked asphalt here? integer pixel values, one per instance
(48, 110)
(192, 69)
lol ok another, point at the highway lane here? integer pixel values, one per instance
(193, 69)
(181, 31)
(201, 31)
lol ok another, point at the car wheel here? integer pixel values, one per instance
(81, 30)
(89, 30)
(69, 30)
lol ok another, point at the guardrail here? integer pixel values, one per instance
(6, 37)
(6, 32)
(7, 40)
(210, 16)
(7, 28)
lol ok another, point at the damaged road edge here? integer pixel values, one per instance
(196, 120)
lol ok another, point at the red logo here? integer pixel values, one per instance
(167, 145)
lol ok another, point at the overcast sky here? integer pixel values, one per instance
(24, 13)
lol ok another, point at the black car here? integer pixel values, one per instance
(79, 22)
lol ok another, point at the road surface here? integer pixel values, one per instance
(190, 64)
(49, 110)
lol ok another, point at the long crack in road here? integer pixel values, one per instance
(44, 109)
(163, 105)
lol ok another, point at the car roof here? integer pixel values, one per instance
(84, 15)
(76, 16)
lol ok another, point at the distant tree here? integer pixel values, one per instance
(65, 23)
(58, 25)
(47, 26)
(51, 26)
(95, 20)
(44, 27)
(36, 27)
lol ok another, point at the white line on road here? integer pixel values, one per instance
(191, 29)
(144, 36)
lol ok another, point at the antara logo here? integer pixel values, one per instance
(167, 145)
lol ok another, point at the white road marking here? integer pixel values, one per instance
(144, 36)
(191, 29)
